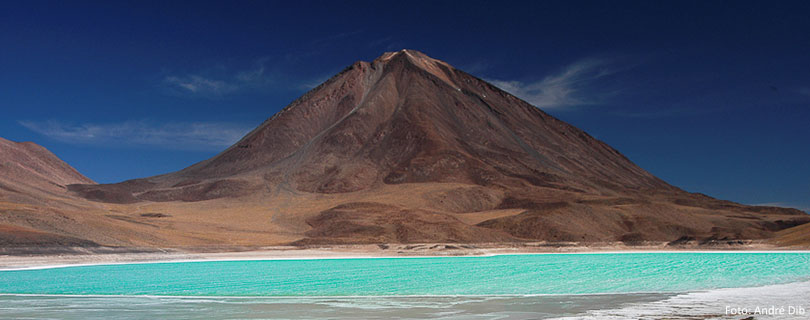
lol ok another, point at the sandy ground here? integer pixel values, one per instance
(85, 256)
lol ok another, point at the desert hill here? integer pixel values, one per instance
(32, 192)
(28, 166)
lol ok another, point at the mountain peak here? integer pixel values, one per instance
(403, 118)
(416, 57)
(422, 61)
(406, 52)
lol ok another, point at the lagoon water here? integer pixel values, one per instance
(502, 287)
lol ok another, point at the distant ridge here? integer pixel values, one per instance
(29, 165)
(32, 185)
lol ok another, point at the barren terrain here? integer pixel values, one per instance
(403, 149)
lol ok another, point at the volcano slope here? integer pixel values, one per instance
(408, 149)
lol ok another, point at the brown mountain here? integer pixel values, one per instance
(32, 185)
(407, 148)
(26, 166)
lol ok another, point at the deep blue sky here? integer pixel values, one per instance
(711, 96)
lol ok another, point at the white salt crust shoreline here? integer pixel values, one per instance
(777, 301)
(32, 262)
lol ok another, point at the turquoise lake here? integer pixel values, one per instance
(544, 274)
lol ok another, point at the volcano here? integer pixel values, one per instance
(403, 118)
(406, 149)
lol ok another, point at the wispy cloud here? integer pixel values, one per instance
(215, 86)
(178, 135)
(804, 91)
(570, 87)
(196, 84)
(380, 42)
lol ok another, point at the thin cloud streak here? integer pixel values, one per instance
(200, 136)
(195, 84)
(571, 87)
(214, 87)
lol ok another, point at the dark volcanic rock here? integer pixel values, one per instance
(369, 222)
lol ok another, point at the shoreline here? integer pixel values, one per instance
(176, 255)
(688, 304)
(658, 305)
